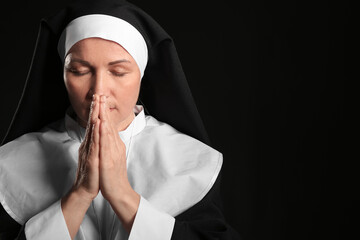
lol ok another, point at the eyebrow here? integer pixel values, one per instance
(86, 63)
(119, 61)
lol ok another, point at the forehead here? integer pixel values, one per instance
(99, 48)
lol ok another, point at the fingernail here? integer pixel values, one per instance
(103, 98)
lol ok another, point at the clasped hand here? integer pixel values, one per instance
(102, 157)
(101, 166)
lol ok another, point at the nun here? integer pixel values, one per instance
(106, 141)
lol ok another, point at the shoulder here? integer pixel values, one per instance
(54, 131)
(25, 164)
(34, 143)
(179, 167)
(164, 132)
(161, 134)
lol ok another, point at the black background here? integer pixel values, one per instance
(272, 82)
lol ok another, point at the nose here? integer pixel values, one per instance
(99, 84)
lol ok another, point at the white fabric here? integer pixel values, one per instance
(50, 222)
(109, 28)
(151, 223)
(171, 170)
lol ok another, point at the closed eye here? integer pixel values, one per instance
(77, 72)
(118, 74)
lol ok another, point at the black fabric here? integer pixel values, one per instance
(21, 235)
(164, 92)
(202, 221)
(9, 228)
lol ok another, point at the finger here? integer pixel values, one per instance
(95, 109)
(114, 135)
(104, 114)
(95, 138)
(90, 113)
(93, 116)
(88, 169)
(105, 110)
(88, 131)
(105, 142)
(103, 106)
(93, 153)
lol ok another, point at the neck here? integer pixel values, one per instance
(125, 123)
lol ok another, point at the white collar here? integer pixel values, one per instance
(169, 169)
(77, 132)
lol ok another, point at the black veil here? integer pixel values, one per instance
(164, 93)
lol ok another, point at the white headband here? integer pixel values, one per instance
(109, 28)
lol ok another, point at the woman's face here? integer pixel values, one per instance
(98, 66)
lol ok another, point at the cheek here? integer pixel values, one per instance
(75, 89)
(128, 95)
(133, 92)
(77, 95)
